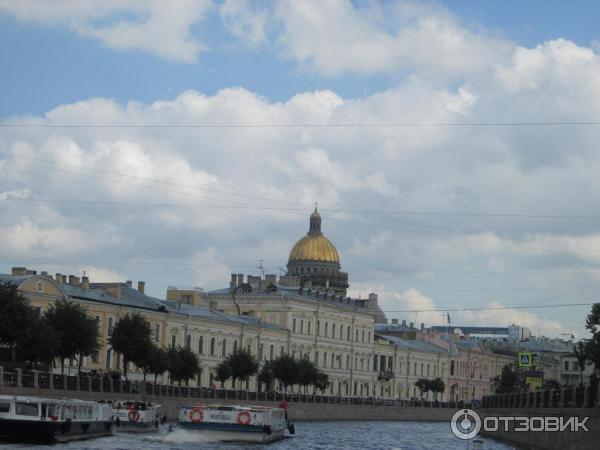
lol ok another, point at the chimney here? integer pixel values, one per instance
(64, 279)
(44, 273)
(233, 282)
(404, 323)
(422, 326)
(19, 271)
(141, 286)
(412, 325)
(394, 321)
(73, 280)
(59, 278)
(129, 283)
(240, 279)
(85, 282)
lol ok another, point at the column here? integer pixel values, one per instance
(64, 377)
(36, 381)
(19, 373)
(1, 376)
(50, 379)
(77, 381)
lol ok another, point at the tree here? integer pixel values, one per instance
(156, 363)
(580, 350)
(16, 317)
(241, 364)
(321, 381)
(132, 338)
(551, 384)
(437, 386)
(510, 380)
(41, 342)
(183, 364)
(267, 376)
(424, 385)
(307, 373)
(77, 333)
(285, 369)
(592, 323)
(223, 372)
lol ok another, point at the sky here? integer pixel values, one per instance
(451, 147)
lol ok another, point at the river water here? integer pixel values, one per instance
(309, 435)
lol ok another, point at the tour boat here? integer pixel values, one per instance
(26, 418)
(228, 423)
(135, 416)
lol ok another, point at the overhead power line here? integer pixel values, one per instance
(487, 308)
(307, 125)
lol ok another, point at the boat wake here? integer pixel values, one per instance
(178, 436)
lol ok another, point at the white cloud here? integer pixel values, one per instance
(154, 26)
(245, 21)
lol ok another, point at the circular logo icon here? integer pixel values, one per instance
(465, 424)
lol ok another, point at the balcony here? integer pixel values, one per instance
(385, 375)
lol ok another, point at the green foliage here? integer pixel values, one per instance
(222, 372)
(16, 316)
(77, 333)
(581, 353)
(132, 338)
(437, 386)
(307, 373)
(156, 362)
(423, 384)
(40, 343)
(242, 364)
(551, 384)
(285, 369)
(266, 375)
(321, 381)
(510, 380)
(183, 364)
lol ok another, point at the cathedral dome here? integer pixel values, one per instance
(314, 246)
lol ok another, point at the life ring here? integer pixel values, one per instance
(196, 415)
(133, 415)
(244, 418)
(53, 418)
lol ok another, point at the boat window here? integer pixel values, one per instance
(68, 412)
(85, 413)
(26, 409)
(52, 410)
(4, 407)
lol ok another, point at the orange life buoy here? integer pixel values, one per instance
(244, 418)
(133, 415)
(196, 415)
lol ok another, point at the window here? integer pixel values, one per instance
(188, 341)
(4, 407)
(326, 329)
(224, 347)
(363, 335)
(271, 352)
(302, 326)
(347, 361)
(201, 345)
(95, 357)
(317, 358)
(308, 326)
(294, 326)
(108, 358)
(26, 409)
(451, 367)
(427, 369)
(110, 326)
(333, 331)
(260, 352)
(332, 360)
(212, 346)
(341, 331)
(157, 333)
(369, 339)
(566, 366)
(173, 341)
(235, 346)
(421, 369)
(282, 350)
(348, 334)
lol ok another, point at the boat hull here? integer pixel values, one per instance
(23, 430)
(233, 433)
(135, 427)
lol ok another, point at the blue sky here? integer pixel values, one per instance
(44, 66)
(144, 62)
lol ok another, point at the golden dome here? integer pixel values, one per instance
(314, 247)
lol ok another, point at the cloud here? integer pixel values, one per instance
(246, 21)
(154, 26)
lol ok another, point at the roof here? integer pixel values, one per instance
(416, 345)
(14, 280)
(472, 330)
(314, 248)
(129, 297)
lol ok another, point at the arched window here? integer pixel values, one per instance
(356, 337)
(341, 331)
(212, 346)
(308, 325)
(348, 334)
(317, 358)
(347, 361)
(363, 335)
(201, 345)
(188, 341)
(271, 352)
(235, 346)
(333, 330)
(224, 348)
(324, 359)
(421, 369)
(332, 360)
(302, 326)
(294, 325)
(318, 328)
(326, 328)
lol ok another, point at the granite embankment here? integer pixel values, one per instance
(297, 411)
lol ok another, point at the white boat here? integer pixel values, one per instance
(135, 416)
(228, 423)
(33, 418)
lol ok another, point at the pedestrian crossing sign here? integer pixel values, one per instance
(525, 359)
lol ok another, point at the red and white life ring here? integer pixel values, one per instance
(196, 415)
(244, 418)
(133, 415)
